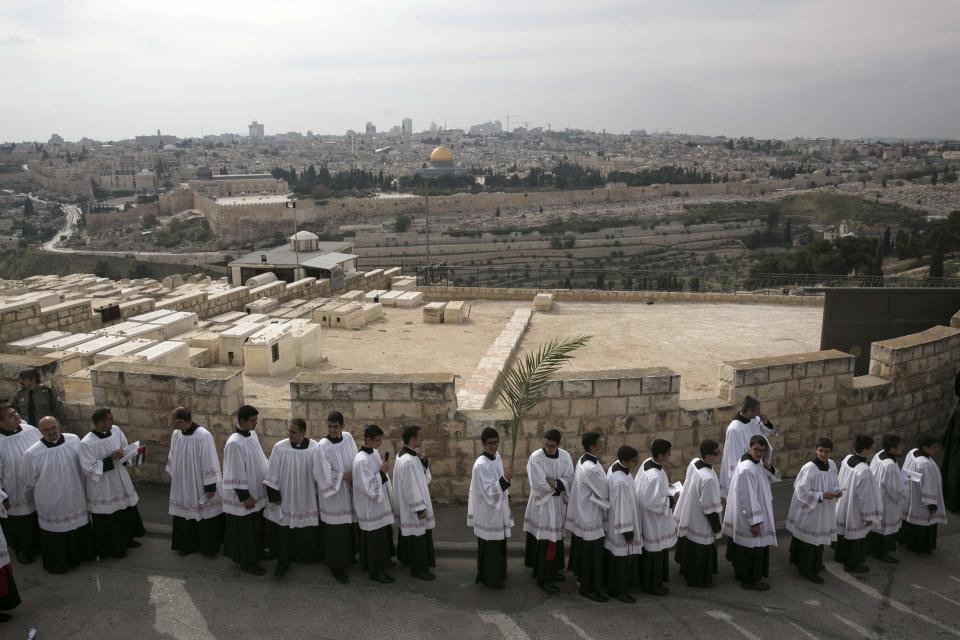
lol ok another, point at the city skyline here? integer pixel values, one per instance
(748, 68)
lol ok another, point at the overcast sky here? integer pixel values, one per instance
(766, 68)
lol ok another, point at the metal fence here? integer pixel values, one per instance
(649, 280)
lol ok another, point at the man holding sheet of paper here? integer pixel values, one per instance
(111, 498)
(924, 508)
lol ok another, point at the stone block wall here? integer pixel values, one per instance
(303, 289)
(136, 307)
(272, 290)
(230, 300)
(193, 302)
(26, 319)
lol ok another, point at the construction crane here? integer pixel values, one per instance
(507, 118)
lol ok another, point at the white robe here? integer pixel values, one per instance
(107, 491)
(926, 492)
(736, 443)
(750, 502)
(192, 464)
(546, 511)
(53, 475)
(244, 467)
(336, 498)
(811, 518)
(700, 497)
(4, 551)
(294, 473)
(859, 506)
(893, 494)
(411, 481)
(488, 505)
(589, 500)
(12, 449)
(653, 495)
(624, 516)
(371, 493)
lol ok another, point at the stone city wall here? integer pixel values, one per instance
(175, 201)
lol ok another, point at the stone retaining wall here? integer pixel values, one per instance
(26, 319)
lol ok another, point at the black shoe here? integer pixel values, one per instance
(559, 577)
(889, 558)
(700, 585)
(424, 575)
(391, 564)
(281, 570)
(120, 556)
(550, 588)
(24, 558)
(133, 544)
(254, 570)
(759, 585)
(340, 576)
(817, 579)
(625, 597)
(183, 553)
(660, 591)
(267, 555)
(5, 617)
(595, 596)
(382, 578)
(858, 569)
(497, 585)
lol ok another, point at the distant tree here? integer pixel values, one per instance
(28, 207)
(401, 224)
(569, 241)
(139, 270)
(886, 246)
(497, 213)
(883, 183)
(102, 269)
(149, 221)
(788, 233)
(933, 178)
(936, 260)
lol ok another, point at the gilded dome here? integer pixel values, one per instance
(441, 154)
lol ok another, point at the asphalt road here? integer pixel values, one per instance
(155, 594)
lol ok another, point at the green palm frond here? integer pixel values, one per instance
(520, 387)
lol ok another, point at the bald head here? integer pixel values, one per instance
(49, 428)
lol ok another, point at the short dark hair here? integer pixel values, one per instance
(246, 412)
(862, 442)
(299, 423)
(99, 414)
(335, 416)
(926, 440)
(626, 453)
(891, 441)
(660, 447)
(410, 431)
(759, 440)
(4, 405)
(709, 448)
(182, 413)
(750, 404)
(552, 435)
(590, 439)
(372, 431)
(488, 433)
(825, 443)
(29, 374)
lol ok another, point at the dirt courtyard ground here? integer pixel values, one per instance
(691, 339)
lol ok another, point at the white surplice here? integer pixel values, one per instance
(589, 500)
(411, 482)
(336, 498)
(294, 473)
(859, 507)
(488, 504)
(107, 491)
(192, 464)
(893, 494)
(244, 468)
(811, 518)
(737, 442)
(4, 551)
(929, 491)
(624, 514)
(371, 491)
(12, 448)
(53, 476)
(546, 509)
(653, 494)
(700, 497)
(750, 502)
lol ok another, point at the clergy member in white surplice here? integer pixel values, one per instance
(587, 518)
(624, 534)
(659, 527)
(372, 500)
(244, 494)
(411, 481)
(748, 519)
(20, 522)
(292, 512)
(9, 595)
(196, 503)
(336, 452)
(698, 515)
(882, 539)
(51, 472)
(812, 519)
(549, 474)
(858, 508)
(924, 508)
(488, 511)
(747, 423)
(111, 498)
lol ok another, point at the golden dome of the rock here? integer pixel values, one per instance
(441, 154)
